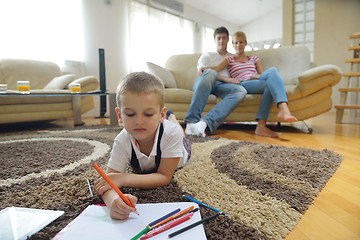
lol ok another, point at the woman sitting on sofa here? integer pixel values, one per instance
(248, 72)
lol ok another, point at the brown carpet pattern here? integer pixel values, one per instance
(263, 189)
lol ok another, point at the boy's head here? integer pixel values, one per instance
(221, 38)
(140, 83)
(220, 30)
(140, 101)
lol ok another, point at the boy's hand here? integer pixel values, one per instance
(119, 209)
(101, 186)
(200, 72)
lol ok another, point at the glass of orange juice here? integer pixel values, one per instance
(75, 87)
(23, 87)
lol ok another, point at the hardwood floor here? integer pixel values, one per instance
(335, 213)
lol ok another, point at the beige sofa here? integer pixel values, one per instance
(44, 77)
(308, 89)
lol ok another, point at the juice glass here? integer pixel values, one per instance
(75, 87)
(23, 87)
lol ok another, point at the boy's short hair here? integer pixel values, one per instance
(140, 83)
(221, 30)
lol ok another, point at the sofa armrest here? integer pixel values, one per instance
(318, 78)
(88, 83)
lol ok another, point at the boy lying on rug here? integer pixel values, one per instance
(154, 146)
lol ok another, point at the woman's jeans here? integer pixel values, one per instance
(205, 85)
(271, 86)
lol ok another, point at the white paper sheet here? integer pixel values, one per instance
(18, 223)
(95, 223)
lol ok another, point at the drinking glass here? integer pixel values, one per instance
(75, 87)
(3, 88)
(23, 87)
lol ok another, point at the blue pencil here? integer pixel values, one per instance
(204, 205)
(164, 217)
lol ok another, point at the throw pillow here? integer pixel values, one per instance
(60, 82)
(163, 74)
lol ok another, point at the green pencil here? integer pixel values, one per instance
(141, 233)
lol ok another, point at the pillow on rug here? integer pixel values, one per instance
(163, 74)
(60, 82)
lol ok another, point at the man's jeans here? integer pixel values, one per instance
(206, 84)
(271, 86)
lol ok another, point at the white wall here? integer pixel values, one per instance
(105, 26)
(335, 21)
(207, 19)
(267, 27)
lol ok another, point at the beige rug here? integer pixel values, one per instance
(263, 189)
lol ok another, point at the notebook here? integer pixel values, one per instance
(95, 223)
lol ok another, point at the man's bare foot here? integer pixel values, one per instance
(262, 130)
(284, 113)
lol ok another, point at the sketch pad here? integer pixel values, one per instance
(19, 223)
(95, 223)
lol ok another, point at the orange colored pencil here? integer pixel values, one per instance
(173, 217)
(117, 190)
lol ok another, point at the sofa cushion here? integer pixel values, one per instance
(291, 61)
(39, 73)
(163, 74)
(184, 69)
(60, 82)
(177, 95)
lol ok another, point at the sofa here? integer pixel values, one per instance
(44, 77)
(308, 88)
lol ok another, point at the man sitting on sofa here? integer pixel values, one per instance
(210, 82)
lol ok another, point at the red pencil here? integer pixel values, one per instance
(117, 190)
(167, 226)
(172, 217)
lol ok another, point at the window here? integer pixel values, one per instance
(155, 35)
(49, 30)
(304, 17)
(208, 44)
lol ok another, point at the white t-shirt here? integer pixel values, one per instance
(212, 59)
(171, 146)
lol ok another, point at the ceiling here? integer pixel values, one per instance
(237, 12)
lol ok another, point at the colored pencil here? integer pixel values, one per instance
(164, 217)
(172, 217)
(147, 228)
(117, 190)
(91, 193)
(140, 233)
(167, 226)
(204, 205)
(192, 225)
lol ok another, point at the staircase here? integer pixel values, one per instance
(351, 81)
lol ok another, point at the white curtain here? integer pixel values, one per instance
(155, 35)
(208, 44)
(48, 30)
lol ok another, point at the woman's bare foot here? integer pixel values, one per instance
(284, 113)
(262, 130)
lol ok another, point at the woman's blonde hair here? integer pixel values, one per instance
(239, 34)
(140, 83)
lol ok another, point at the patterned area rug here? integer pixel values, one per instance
(263, 189)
